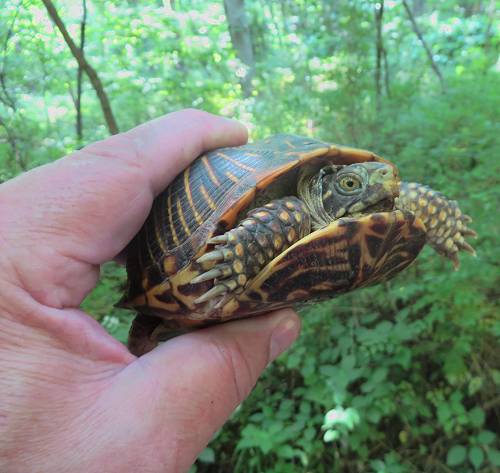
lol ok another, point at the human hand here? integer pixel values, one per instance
(71, 397)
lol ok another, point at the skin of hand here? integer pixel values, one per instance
(72, 398)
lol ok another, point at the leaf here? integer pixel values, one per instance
(286, 451)
(476, 457)
(456, 455)
(331, 435)
(348, 362)
(494, 456)
(476, 417)
(207, 455)
(485, 437)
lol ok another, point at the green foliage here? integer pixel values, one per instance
(397, 378)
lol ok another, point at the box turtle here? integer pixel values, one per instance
(276, 223)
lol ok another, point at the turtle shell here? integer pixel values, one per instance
(210, 197)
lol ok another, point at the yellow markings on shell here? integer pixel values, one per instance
(187, 189)
(298, 217)
(230, 308)
(210, 171)
(432, 209)
(235, 162)
(442, 215)
(458, 212)
(231, 176)
(207, 197)
(290, 205)
(345, 267)
(182, 219)
(290, 236)
(159, 239)
(413, 195)
(170, 219)
(170, 264)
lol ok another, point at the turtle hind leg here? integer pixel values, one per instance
(147, 331)
(445, 223)
(242, 252)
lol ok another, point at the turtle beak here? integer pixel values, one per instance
(387, 177)
(384, 182)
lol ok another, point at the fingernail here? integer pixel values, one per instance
(283, 336)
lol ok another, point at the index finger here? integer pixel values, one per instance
(183, 135)
(92, 202)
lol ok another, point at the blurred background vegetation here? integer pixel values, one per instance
(399, 378)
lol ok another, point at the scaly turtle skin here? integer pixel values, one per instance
(276, 223)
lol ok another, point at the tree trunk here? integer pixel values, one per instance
(241, 39)
(89, 70)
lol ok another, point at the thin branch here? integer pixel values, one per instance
(79, 74)
(417, 31)
(386, 74)
(379, 47)
(7, 99)
(82, 62)
(11, 138)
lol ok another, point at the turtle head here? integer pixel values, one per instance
(359, 188)
(350, 191)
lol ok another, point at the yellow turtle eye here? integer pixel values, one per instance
(349, 183)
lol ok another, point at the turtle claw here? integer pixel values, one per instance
(469, 232)
(220, 289)
(218, 240)
(215, 255)
(212, 274)
(216, 291)
(463, 245)
(215, 273)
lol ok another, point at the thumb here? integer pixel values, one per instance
(200, 378)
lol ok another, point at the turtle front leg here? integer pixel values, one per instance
(445, 223)
(243, 251)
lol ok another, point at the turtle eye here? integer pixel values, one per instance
(349, 184)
